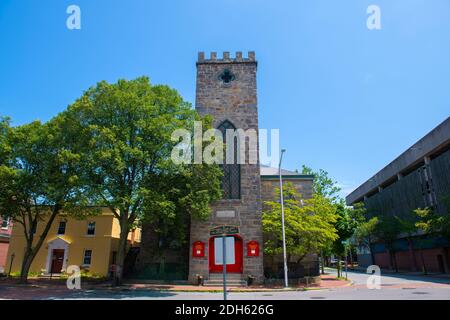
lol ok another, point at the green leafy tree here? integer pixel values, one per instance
(388, 229)
(348, 220)
(172, 201)
(408, 227)
(309, 224)
(38, 180)
(431, 222)
(324, 185)
(5, 148)
(365, 233)
(124, 136)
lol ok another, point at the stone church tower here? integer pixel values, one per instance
(226, 90)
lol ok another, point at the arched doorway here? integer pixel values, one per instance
(234, 252)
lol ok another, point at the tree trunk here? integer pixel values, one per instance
(351, 260)
(446, 259)
(411, 255)
(391, 260)
(26, 264)
(339, 267)
(424, 267)
(372, 255)
(121, 252)
(30, 252)
(394, 257)
(323, 263)
(369, 244)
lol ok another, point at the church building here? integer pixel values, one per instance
(227, 90)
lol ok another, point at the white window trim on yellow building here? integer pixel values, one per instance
(84, 257)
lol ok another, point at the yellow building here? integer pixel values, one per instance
(91, 244)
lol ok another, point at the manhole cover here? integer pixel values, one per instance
(409, 288)
(419, 292)
(317, 298)
(267, 295)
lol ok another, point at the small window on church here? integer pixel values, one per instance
(231, 180)
(226, 76)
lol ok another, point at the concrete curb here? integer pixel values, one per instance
(236, 289)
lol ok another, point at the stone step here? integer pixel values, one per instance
(231, 283)
(233, 280)
(233, 276)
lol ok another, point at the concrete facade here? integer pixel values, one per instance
(428, 146)
(418, 178)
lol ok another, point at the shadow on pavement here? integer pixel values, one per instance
(113, 295)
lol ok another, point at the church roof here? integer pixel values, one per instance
(270, 172)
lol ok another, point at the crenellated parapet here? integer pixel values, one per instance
(226, 58)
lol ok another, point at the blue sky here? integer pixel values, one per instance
(345, 98)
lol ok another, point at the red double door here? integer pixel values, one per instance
(234, 250)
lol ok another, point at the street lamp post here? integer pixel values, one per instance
(282, 222)
(224, 266)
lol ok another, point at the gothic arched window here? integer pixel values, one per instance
(231, 181)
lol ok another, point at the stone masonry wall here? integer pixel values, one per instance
(237, 103)
(269, 186)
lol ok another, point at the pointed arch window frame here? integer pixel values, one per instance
(231, 180)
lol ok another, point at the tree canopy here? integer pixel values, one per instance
(38, 179)
(111, 148)
(309, 224)
(124, 135)
(323, 184)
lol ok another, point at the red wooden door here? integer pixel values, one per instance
(237, 267)
(57, 260)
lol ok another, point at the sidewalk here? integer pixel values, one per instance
(444, 276)
(327, 282)
(54, 289)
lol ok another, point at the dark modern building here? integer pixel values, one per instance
(418, 178)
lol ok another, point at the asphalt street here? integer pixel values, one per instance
(392, 287)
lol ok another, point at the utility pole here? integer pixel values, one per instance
(286, 284)
(224, 265)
